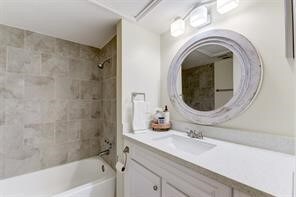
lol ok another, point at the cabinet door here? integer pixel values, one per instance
(142, 182)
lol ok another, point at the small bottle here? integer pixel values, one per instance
(161, 120)
(157, 114)
(166, 115)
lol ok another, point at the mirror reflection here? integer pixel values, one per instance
(209, 77)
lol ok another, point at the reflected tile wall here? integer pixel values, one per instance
(51, 96)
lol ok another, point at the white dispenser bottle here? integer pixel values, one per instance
(166, 115)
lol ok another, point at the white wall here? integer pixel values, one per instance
(223, 79)
(262, 22)
(138, 60)
(140, 68)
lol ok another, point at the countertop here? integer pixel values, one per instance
(267, 171)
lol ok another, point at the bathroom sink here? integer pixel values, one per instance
(184, 144)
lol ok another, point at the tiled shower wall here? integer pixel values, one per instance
(109, 98)
(198, 87)
(51, 96)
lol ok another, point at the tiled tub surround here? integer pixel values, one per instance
(109, 98)
(50, 102)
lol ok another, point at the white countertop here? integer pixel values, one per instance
(264, 170)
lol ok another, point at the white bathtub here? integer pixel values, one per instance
(85, 178)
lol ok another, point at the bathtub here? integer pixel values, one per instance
(90, 177)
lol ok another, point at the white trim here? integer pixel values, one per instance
(148, 8)
(289, 28)
(142, 13)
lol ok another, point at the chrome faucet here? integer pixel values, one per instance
(195, 134)
(106, 151)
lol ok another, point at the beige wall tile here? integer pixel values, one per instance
(13, 86)
(2, 85)
(39, 42)
(74, 130)
(97, 109)
(67, 48)
(32, 112)
(67, 88)
(10, 36)
(39, 135)
(3, 54)
(66, 132)
(79, 150)
(54, 155)
(1, 166)
(60, 109)
(91, 129)
(23, 61)
(28, 161)
(89, 53)
(90, 90)
(14, 111)
(79, 110)
(12, 139)
(2, 139)
(54, 66)
(109, 88)
(109, 110)
(81, 69)
(48, 111)
(2, 115)
(39, 87)
(61, 133)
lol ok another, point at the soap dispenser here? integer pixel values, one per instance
(166, 115)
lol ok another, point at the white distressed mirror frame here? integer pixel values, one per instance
(251, 72)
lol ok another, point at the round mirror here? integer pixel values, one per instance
(214, 77)
(209, 77)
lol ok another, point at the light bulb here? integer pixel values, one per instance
(199, 17)
(224, 6)
(178, 27)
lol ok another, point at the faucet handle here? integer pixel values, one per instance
(189, 132)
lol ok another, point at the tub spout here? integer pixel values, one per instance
(104, 152)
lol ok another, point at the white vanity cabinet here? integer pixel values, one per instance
(151, 175)
(239, 194)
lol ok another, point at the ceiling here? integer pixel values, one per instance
(204, 55)
(90, 22)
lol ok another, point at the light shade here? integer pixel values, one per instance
(224, 6)
(178, 27)
(199, 17)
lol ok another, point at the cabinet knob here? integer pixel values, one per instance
(155, 188)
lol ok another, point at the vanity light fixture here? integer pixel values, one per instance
(199, 17)
(224, 6)
(178, 27)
